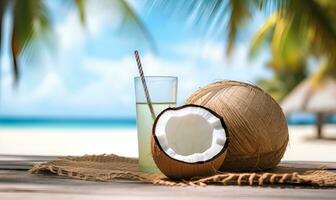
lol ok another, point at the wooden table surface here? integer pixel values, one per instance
(19, 184)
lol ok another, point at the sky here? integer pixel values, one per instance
(88, 71)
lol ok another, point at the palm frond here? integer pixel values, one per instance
(326, 69)
(315, 25)
(288, 48)
(15, 53)
(283, 82)
(304, 29)
(210, 15)
(240, 12)
(281, 31)
(214, 10)
(320, 74)
(3, 6)
(314, 31)
(203, 15)
(313, 16)
(131, 17)
(262, 35)
(80, 4)
(30, 20)
(213, 13)
(271, 6)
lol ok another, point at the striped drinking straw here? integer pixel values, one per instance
(143, 80)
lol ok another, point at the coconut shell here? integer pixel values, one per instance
(257, 126)
(180, 170)
(176, 169)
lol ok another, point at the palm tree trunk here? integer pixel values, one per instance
(319, 124)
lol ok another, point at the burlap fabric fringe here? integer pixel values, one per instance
(112, 167)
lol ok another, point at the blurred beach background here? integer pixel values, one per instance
(67, 67)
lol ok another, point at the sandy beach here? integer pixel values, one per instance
(123, 141)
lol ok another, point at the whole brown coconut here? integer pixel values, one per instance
(256, 124)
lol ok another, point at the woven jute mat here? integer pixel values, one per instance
(112, 167)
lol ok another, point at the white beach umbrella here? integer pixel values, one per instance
(307, 97)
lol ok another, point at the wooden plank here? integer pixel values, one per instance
(185, 193)
(18, 184)
(26, 157)
(27, 161)
(15, 184)
(146, 191)
(22, 161)
(309, 164)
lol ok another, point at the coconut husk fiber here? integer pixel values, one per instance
(257, 126)
(113, 167)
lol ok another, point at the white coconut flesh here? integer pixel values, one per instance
(190, 134)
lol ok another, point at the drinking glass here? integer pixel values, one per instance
(162, 91)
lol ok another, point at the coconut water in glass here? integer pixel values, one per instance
(162, 91)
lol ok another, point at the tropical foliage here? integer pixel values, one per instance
(295, 31)
(31, 20)
(294, 37)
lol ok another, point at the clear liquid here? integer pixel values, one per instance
(144, 126)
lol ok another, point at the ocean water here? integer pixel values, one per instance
(307, 118)
(68, 123)
(8, 122)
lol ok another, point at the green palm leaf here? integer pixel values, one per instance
(80, 4)
(240, 12)
(215, 13)
(130, 17)
(30, 20)
(315, 25)
(262, 35)
(3, 6)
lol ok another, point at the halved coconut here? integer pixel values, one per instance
(189, 141)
